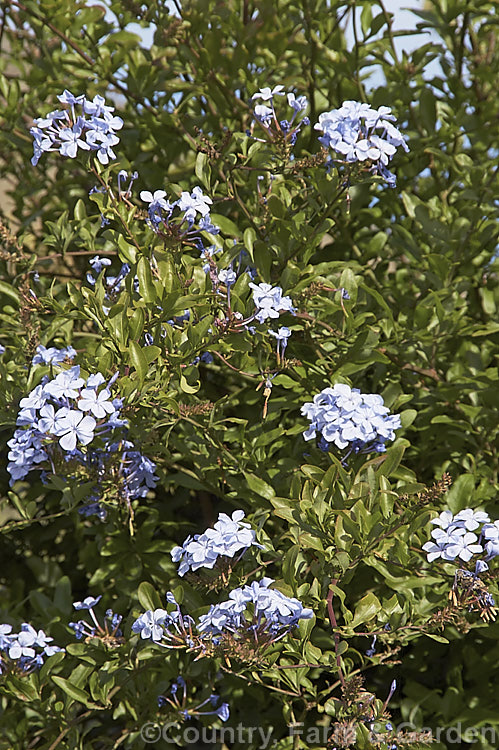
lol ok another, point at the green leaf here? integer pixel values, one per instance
(203, 169)
(149, 597)
(366, 609)
(249, 238)
(136, 323)
(460, 495)
(151, 353)
(22, 689)
(8, 290)
(117, 324)
(408, 416)
(127, 252)
(138, 360)
(392, 459)
(259, 486)
(428, 110)
(366, 18)
(187, 388)
(438, 638)
(226, 225)
(74, 692)
(282, 509)
(62, 596)
(146, 284)
(276, 207)
(80, 211)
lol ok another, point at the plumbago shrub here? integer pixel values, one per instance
(248, 376)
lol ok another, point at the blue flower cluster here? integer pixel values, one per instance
(255, 612)
(362, 134)
(229, 536)
(272, 613)
(182, 220)
(24, 651)
(460, 539)
(170, 629)
(88, 125)
(59, 420)
(52, 356)
(269, 302)
(344, 416)
(455, 537)
(109, 633)
(266, 115)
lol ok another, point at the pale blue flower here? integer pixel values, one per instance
(52, 355)
(223, 712)
(267, 93)
(50, 419)
(150, 624)
(87, 603)
(194, 203)
(96, 403)
(451, 544)
(35, 400)
(75, 427)
(98, 263)
(95, 380)
(227, 277)
(298, 104)
(22, 646)
(68, 98)
(66, 131)
(463, 546)
(71, 139)
(102, 143)
(65, 384)
(282, 336)
(156, 199)
(470, 519)
(264, 114)
(481, 566)
(96, 107)
(269, 301)
(492, 548)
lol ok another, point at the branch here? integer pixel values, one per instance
(429, 373)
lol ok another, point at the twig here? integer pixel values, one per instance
(241, 372)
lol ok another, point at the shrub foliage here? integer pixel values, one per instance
(181, 277)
